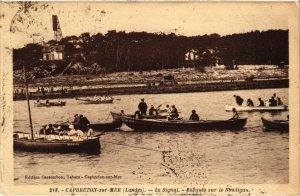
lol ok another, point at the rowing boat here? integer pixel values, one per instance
(256, 108)
(94, 100)
(281, 125)
(40, 104)
(54, 143)
(182, 125)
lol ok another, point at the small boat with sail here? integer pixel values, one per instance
(25, 141)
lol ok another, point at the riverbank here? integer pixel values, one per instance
(155, 82)
(179, 88)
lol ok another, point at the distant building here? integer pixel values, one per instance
(55, 52)
(191, 55)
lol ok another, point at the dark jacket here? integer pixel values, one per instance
(194, 117)
(143, 107)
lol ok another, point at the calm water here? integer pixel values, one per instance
(250, 155)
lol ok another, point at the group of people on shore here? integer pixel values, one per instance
(170, 112)
(273, 101)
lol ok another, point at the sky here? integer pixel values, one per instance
(188, 19)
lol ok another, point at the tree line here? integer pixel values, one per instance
(139, 51)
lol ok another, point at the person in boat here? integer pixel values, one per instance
(194, 115)
(50, 130)
(174, 112)
(90, 132)
(261, 102)
(279, 102)
(152, 110)
(165, 111)
(76, 119)
(43, 130)
(138, 114)
(38, 100)
(83, 121)
(272, 101)
(250, 103)
(47, 101)
(238, 99)
(79, 133)
(72, 131)
(275, 97)
(143, 107)
(235, 114)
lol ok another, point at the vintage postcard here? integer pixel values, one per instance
(149, 98)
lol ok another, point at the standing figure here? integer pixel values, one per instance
(143, 107)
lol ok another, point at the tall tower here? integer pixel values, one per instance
(56, 28)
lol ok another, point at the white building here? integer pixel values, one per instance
(56, 52)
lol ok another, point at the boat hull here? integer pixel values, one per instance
(90, 101)
(90, 146)
(229, 108)
(275, 125)
(182, 125)
(49, 104)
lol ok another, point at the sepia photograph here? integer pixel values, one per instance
(157, 98)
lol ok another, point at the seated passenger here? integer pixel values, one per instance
(235, 114)
(279, 101)
(273, 101)
(138, 114)
(194, 115)
(261, 102)
(43, 130)
(250, 103)
(238, 99)
(50, 130)
(72, 131)
(174, 113)
(90, 132)
(79, 133)
(152, 110)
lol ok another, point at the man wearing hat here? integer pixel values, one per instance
(143, 107)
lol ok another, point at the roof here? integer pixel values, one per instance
(56, 48)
